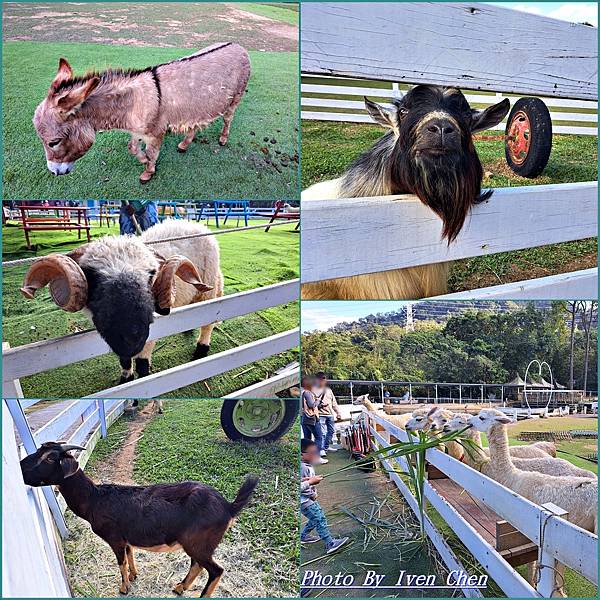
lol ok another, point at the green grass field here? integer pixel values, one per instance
(249, 259)
(187, 442)
(329, 148)
(260, 160)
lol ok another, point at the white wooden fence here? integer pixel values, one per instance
(475, 46)
(557, 539)
(341, 99)
(354, 236)
(33, 521)
(51, 354)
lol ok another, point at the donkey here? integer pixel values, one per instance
(181, 96)
(428, 151)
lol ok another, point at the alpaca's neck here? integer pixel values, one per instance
(475, 456)
(498, 442)
(370, 406)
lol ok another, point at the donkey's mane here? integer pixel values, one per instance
(109, 75)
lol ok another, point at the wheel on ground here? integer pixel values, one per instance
(528, 137)
(258, 419)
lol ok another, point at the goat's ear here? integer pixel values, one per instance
(69, 465)
(386, 117)
(75, 97)
(490, 117)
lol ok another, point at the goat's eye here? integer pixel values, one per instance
(54, 143)
(50, 459)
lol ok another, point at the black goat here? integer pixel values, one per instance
(160, 518)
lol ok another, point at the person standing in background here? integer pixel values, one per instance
(329, 411)
(311, 426)
(144, 212)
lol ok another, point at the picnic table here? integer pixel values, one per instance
(55, 218)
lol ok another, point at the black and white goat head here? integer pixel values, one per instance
(428, 151)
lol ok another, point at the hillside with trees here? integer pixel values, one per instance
(473, 346)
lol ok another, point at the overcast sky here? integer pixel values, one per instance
(574, 12)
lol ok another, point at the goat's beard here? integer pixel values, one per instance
(449, 184)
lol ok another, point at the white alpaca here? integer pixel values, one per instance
(577, 495)
(397, 420)
(477, 458)
(433, 422)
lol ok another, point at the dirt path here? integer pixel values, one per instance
(119, 469)
(92, 568)
(178, 25)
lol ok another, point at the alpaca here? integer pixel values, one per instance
(577, 495)
(433, 422)
(478, 457)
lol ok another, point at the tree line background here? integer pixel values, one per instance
(475, 346)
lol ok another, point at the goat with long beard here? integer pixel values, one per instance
(428, 151)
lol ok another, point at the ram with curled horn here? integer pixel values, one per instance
(121, 281)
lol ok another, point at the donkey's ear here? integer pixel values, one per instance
(64, 73)
(490, 117)
(386, 117)
(78, 95)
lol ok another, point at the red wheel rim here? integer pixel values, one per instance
(519, 137)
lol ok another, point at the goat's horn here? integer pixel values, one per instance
(164, 288)
(67, 447)
(66, 280)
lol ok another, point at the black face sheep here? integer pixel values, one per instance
(428, 151)
(120, 282)
(160, 518)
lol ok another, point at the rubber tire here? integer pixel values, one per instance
(292, 408)
(541, 137)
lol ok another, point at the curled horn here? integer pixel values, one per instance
(66, 280)
(68, 447)
(164, 285)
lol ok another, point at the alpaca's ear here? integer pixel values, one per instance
(503, 420)
(433, 411)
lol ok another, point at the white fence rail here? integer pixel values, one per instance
(400, 231)
(557, 539)
(33, 521)
(59, 352)
(327, 100)
(418, 42)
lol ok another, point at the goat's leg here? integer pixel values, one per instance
(131, 561)
(153, 144)
(188, 580)
(127, 369)
(215, 572)
(187, 140)
(203, 343)
(143, 361)
(121, 555)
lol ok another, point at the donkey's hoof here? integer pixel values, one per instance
(145, 177)
(126, 379)
(181, 150)
(201, 351)
(222, 141)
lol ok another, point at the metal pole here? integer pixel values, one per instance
(30, 445)
(382, 392)
(351, 393)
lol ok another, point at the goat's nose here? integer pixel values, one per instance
(441, 127)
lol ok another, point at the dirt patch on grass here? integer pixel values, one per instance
(181, 25)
